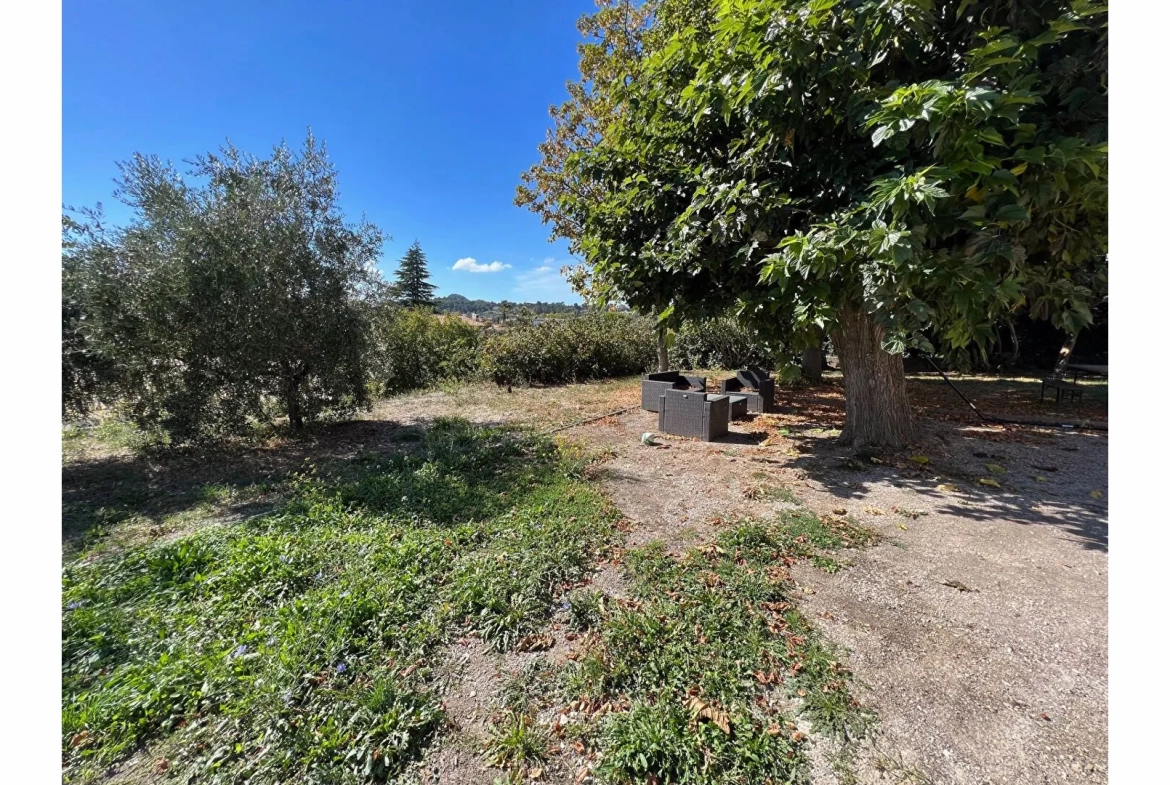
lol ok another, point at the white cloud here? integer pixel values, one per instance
(470, 265)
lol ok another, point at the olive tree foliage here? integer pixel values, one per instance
(86, 375)
(880, 170)
(234, 295)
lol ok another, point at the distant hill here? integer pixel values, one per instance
(457, 303)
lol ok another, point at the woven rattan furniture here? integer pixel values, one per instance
(654, 384)
(754, 383)
(693, 414)
(737, 406)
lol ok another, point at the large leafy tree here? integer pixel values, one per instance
(884, 171)
(616, 39)
(412, 287)
(232, 296)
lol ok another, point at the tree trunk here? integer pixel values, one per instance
(1015, 344)
(811, 362)
(663, 355)
(1066, 351)
(292, 402)
(877, 411)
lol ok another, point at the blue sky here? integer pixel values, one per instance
(430, 112)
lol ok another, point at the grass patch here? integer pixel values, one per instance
(295, 646)
(711, 663)
(516, 742)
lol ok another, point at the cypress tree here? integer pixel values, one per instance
(411, 288)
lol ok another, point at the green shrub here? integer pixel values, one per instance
(556, 351)
(232, 296)
(415, 349)
(723, 343)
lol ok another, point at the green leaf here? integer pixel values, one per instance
(1012, 213)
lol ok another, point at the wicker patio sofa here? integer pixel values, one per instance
(693, 414)
(756, 384)
(654, 384)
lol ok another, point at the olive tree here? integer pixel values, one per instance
(232, 296)
(879, 170)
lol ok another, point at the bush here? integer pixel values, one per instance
(722, 343)
(556, 351)
(232, 296)
(416, 349)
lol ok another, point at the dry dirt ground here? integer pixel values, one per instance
(976, 629)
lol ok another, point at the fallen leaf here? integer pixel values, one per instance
(1044, 716)
(874, 511)
(1041, 478)
(838, 510)
(902, 526)
(947, 487)
(773, 730)
(700, 709)
(988, 482)
(535, 773)
(161, 765)
(798, 737)
(922, 460)
(535, 642)
(995, 468)
(1096, 494)
(957, 585)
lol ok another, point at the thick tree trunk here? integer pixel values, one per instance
(663, 355)
(877, 411)
(811, 362)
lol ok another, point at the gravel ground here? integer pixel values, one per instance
(976, 629)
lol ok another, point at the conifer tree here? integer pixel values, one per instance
(411, 287)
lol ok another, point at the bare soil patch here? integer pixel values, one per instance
(976, 629)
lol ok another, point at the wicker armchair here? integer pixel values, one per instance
(762, 399)
(693, 414)
(655, 384)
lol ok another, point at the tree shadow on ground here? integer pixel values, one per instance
(932, 397)
(958, 460)
(1008, 396)
(238, 482)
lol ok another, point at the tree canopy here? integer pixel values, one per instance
(893, 170)
(412, 289)
(231, 297)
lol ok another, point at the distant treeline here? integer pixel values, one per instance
(457, 303)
